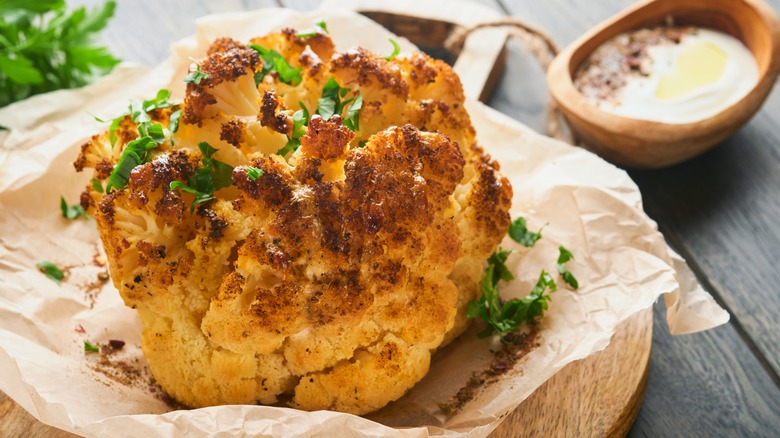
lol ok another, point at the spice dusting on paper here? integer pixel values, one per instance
(514, 346)
(122, 366)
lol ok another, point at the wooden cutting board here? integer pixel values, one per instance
(598, 396)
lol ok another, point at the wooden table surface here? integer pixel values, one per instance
(720, 211)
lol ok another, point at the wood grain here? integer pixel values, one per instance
(601, 394)
(720, 211)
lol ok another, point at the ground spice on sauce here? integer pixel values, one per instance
(609, 67)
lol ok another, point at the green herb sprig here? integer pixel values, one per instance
(505, 317)
(91, 348)
(214, 175)
(520, 233)
(51, 270)
(396, 50)
(320, 26)
(273, 61)
(300, 120)
(72, 212)
(45, 47)
(151, 135)
(330, 103)
(253, 173)
(196, 76)
(564, 255)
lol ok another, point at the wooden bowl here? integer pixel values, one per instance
(649, 144)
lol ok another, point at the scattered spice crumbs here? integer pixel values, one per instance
(514, 346)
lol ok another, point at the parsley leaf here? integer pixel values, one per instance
(196, 76)
(214, 175)
(506, 317)
(253, 173)
(396, 50)
(300, 119)
(45, 47)
(72, 212)
(330, 103)
(519, 232)
(353, 112)
(564, 256)
(321, 26)
(153, 131)
(173, 126)
(498, 261)
(150, 136)
(273, 61)
(138, 112)
(135, 154)
(51, 270)
(97, 185)
(90, 348)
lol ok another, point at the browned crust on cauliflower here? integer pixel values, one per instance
(327, 282)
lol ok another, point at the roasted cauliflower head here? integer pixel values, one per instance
(305, 228)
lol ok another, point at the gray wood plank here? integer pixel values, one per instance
(699, 388)
(136, 37)
(308, 5)
(720, 210)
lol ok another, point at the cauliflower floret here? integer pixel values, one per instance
(324, 278)
(102, 151)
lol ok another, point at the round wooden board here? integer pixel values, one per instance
(598, 396)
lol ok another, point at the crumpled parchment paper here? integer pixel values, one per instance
(591, 207)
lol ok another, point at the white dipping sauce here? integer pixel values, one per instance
(703, 74)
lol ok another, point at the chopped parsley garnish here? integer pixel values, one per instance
(214, 175)
(153, 131)
(253, 173)
(91, 348)
(564, 256)
(353, 112)
(196, 76)
(72, 212)
(273, 61)
(362, 143)
(97, 185)
(396, 50)
(150, 136)
(330, 103)
(173, 126)
(138, 112)
(506, 317)
(498, 261)
(300, 119)
(519, 232)
(51, 270)
(135, 154)
(321, 26)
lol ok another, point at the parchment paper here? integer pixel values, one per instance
(586, 204)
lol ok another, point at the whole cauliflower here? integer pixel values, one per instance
(321, 276)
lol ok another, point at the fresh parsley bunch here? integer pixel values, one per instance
(45, 47)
